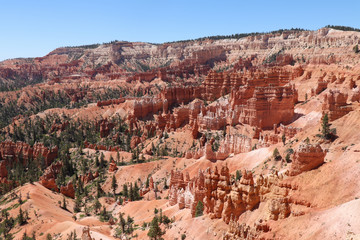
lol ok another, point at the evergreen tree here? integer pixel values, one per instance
(64, 205)
(97, 163)
(77, 205)
(131, 193)
(122, 222)
(104, 214)
(147, 184)
(155, 232)
(97, 205)
(125, 191)
(325, 127)
(283, 138)
(21, 218)
(129, 225)
(99, 190)
(24, 237)
(238, 175)
(276, 154)
(114, 184)
(199, 209)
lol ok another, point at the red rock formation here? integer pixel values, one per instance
(105, 127)
(195, 130)
(49, 155)
(101, 147)
(226, 199)
(59, 126)
(13, 151)
(3, 170)
(49, 176)
(86, 234)
(110, 102)
(307, 157)
(335, 105)
(321, 86)
(87, 178)
(151, 183)
(244, 232)
(68, 190)
(112, 166)
(179, 95)
(288, 131)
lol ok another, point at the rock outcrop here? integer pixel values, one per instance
(335, 105)
(241, 231)
(110, 102)
(223, 198)
(86, 234)
(3, 170)
(307, 157)
(23, 152)
(112, 166)
(49, 176)
(88, 177)
(105, 127)
(68, 190)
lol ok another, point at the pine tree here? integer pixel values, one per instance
(199, 209)
(136, 192)
(64, 204)
(21, 218)
(276, 154)
(24, 237)
(117, 156)
(147, 182)
(238, 175)
(155, 232)
(114, 184)
(283, 138)
(125, 191)
(325, 131)
(97, 205)
(77, 206)
(104, 214)
(129, 224)
(122, 222)
(97, 163)
(99, 190)
(131, 193)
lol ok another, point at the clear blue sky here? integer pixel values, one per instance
(32, 28)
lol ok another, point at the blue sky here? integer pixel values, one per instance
(32, 28)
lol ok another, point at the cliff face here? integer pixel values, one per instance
(19, 151)
(181, 60)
